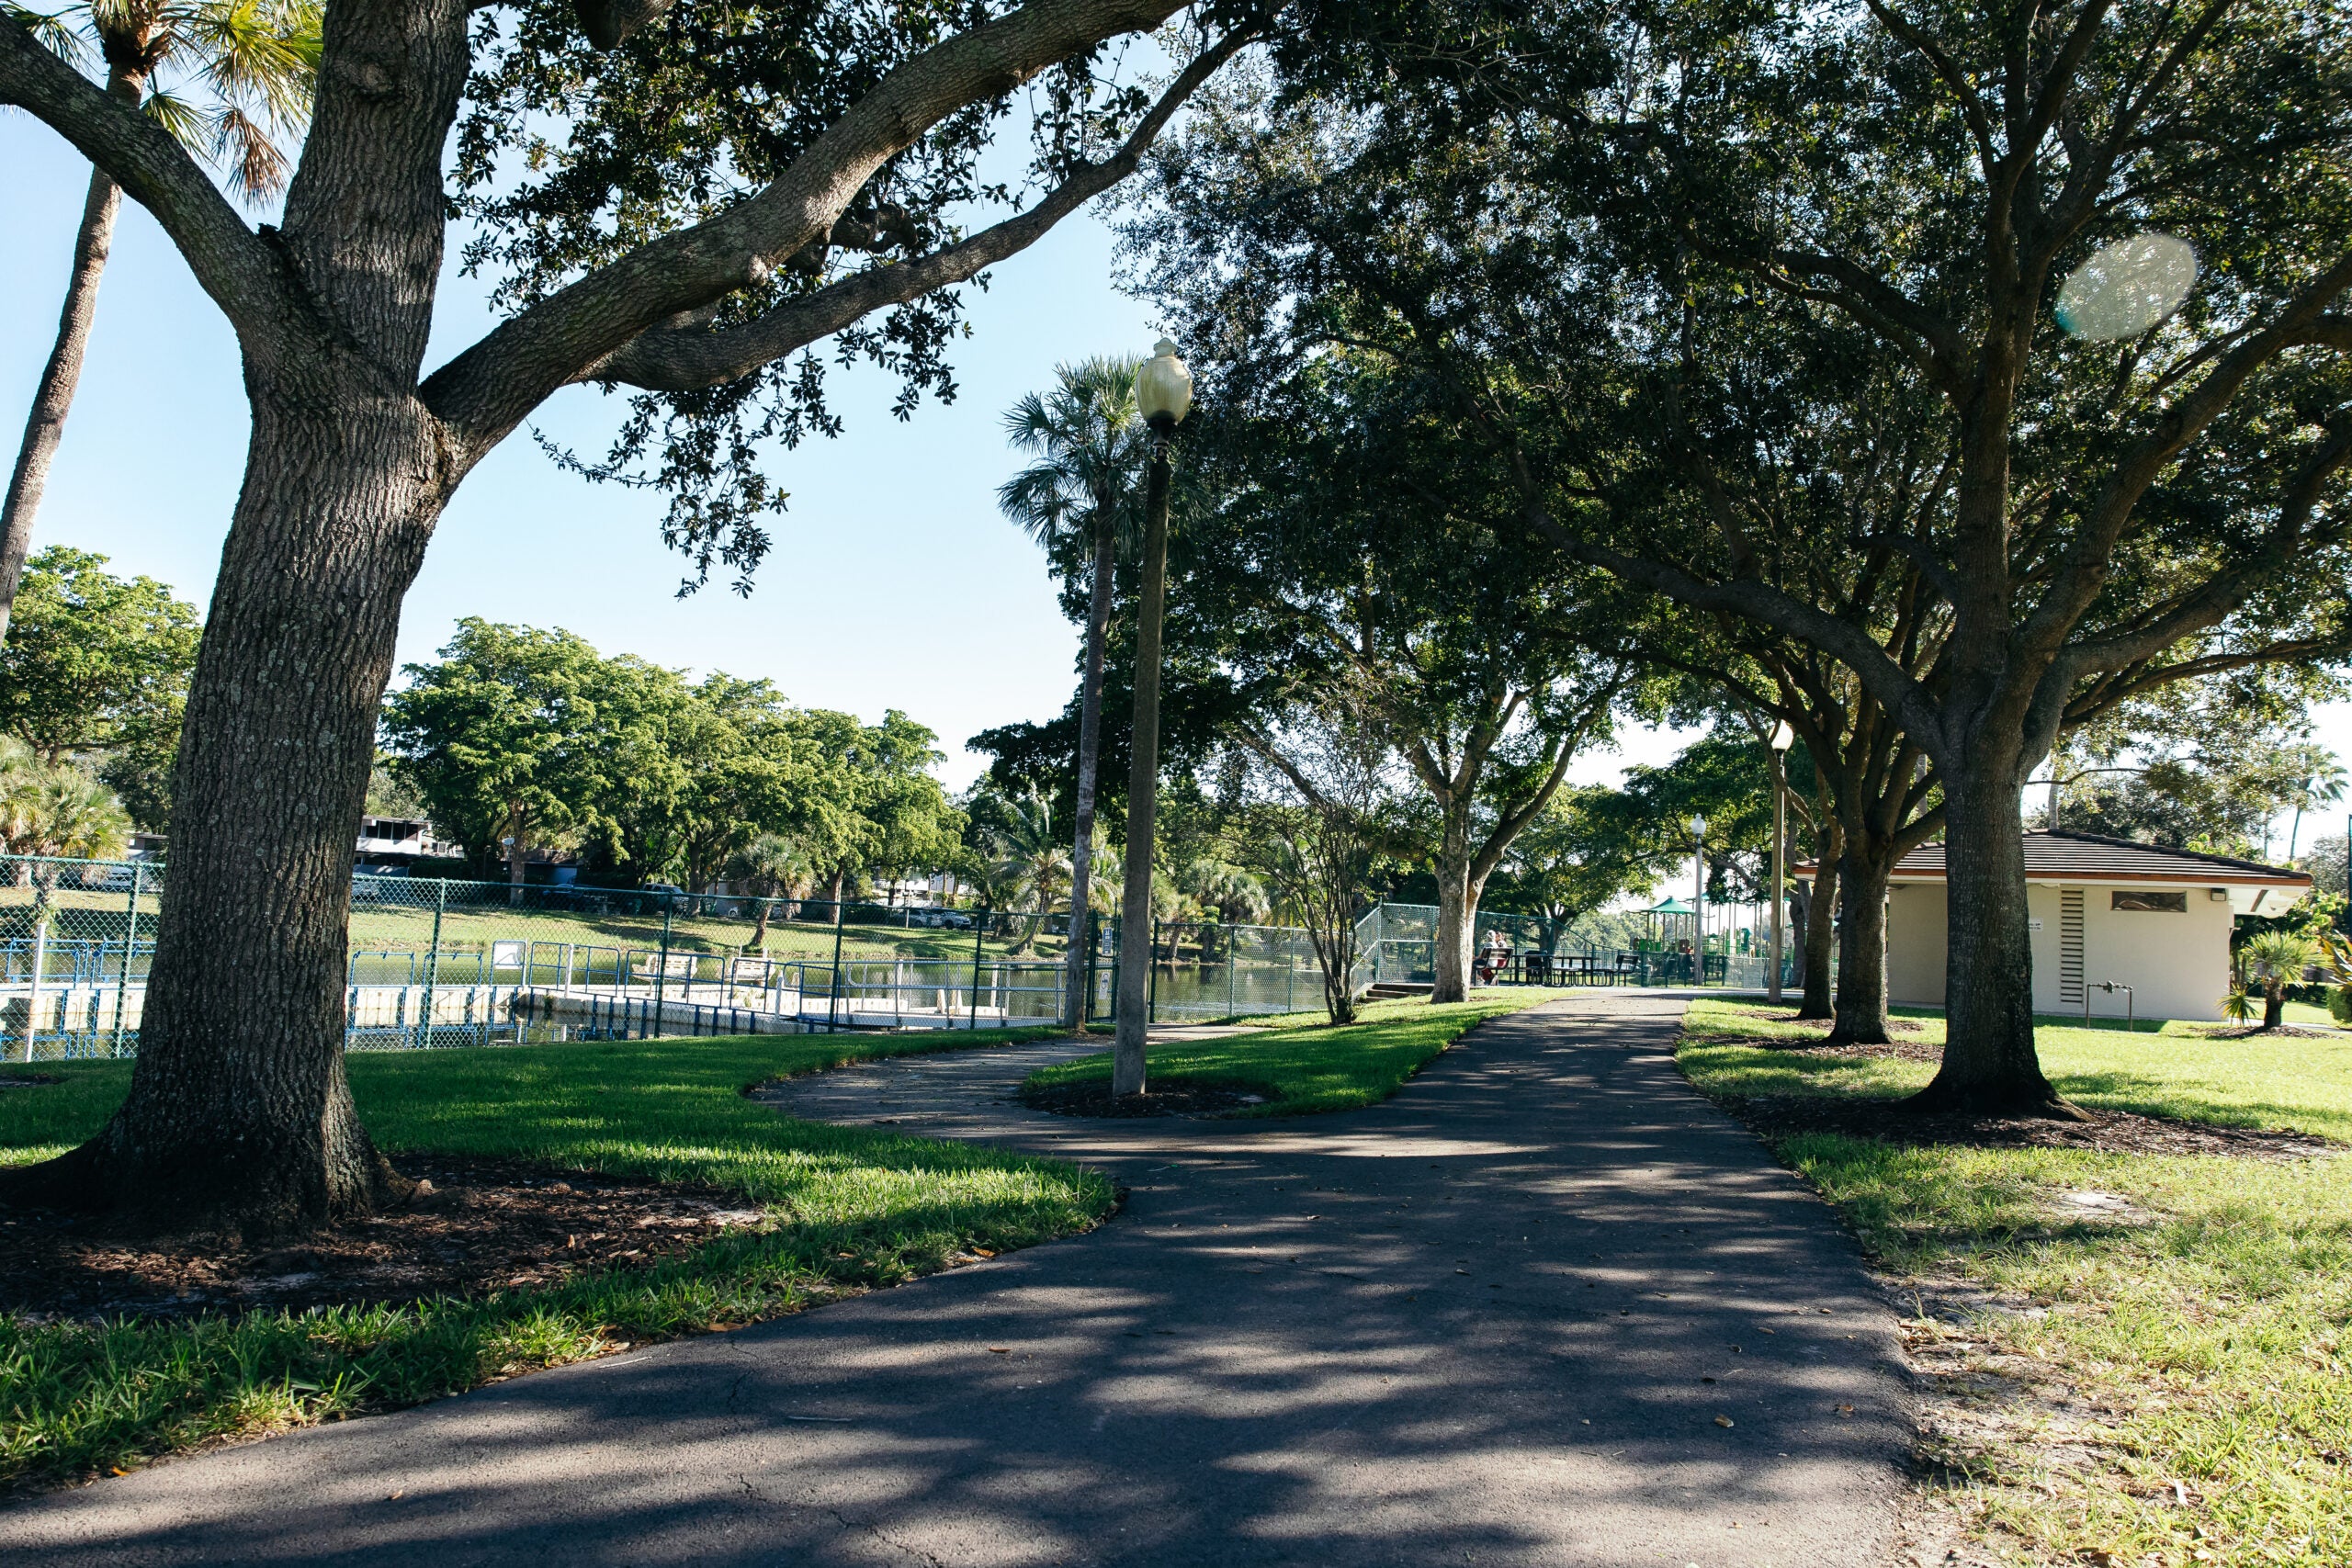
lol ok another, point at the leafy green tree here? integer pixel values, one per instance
(1584, 851)
(772, 866)
(1085, 487)
(680, 206)
(1317, 827)
(907, 822)
(500, 737)
(1033, 864)
(2327, 864)
(226, 79)
(56, 809)
(2204, 765)
(97, 667)
(1351, 557)
(2123, 509)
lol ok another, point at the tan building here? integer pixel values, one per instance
(2098, 911)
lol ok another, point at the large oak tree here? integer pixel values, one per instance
(669, 206)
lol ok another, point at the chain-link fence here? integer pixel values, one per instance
(437, 963)
(1396, 944)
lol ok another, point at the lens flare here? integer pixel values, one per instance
(2127, 287)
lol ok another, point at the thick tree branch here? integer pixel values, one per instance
(1759, 602)
(1512, 820)
(489, 387)
(668, 360)
(2079, 580)
(1963, 91)
(234, 265)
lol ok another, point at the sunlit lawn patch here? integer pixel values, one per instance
(1304, 1064)
(847, 1209)
(2194, 1328)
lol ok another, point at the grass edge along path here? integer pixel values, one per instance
(849, 1209)
(1305, 1063)
(2164, 1382)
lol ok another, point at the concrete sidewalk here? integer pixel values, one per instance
(1503, 1318)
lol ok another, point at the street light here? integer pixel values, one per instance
(1699, 901)
(1783, 738)
(1163, 396)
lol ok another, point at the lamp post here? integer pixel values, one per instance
(1783, 738)
(1163, 396)
(1698, 900)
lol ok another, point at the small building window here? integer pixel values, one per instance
(2175, 903)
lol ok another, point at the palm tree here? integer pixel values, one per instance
(771, 866)
(2323, 786)
(1090, 446)
(2276, 959)
(252, 64)
(1031, 862)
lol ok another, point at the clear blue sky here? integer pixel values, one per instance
(894, 582)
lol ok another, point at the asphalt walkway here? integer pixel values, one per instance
(1544, 1306)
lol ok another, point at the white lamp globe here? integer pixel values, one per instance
(1783, 737)
(1163, 389)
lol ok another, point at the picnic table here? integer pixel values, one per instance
(1567, 969)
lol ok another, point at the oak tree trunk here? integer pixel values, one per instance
(1457, 915)
(54, 398)
(1143, 793)
(1862, 872)
(1989, 1064)
(1090, 754)
(1821, 927)
(239, 1119)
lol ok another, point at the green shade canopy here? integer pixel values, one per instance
(1671, 906)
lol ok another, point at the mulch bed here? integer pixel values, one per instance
(2108, 1131)
(1095, 1098)
(1909, 1050)
(488, 1225)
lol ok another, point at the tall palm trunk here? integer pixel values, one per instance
(45, 427)
(1090, 752)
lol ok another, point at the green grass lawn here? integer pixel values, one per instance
(1307, 1066)
(2203, 1337)
(848, 1208)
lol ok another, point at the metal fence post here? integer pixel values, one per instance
(979, 935)
(1232, 962)
(662, 970)
(433, 959)
(833, 999)
(41, 967)
(1151, 965)
(1289, 973)
(1094, 962)
(129, 946)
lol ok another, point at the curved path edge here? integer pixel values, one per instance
(1544, 1306)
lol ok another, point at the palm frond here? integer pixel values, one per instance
(180, 118)
(52, 31)
(261, 56)
(255, 170)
